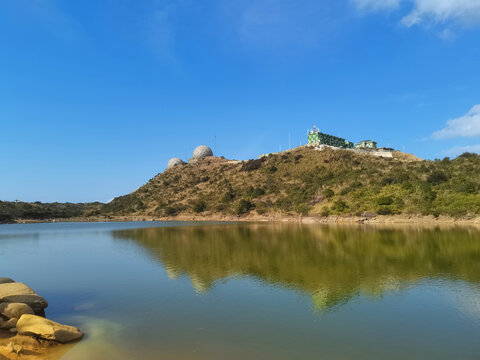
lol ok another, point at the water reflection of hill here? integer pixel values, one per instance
(332, 264)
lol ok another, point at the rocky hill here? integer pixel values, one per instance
(309, 182)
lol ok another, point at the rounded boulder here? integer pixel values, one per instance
(33, 325)
(15, 310)
(21, 293)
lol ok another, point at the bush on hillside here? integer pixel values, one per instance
(199, 206)
(243, 207)
(252, 165)
(328, 193)
(171, 211)
(340, 206)
(302, 209)
(385, 200)
(437, 177)
(468, 155)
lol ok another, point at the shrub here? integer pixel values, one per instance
(261, 209)
(387, 181)
(243, 207)
(467, 187)
(199, 206)
(340, 206)
(255, 192)
(228, 196)
(325, 212)
(302, 209)
(328, 193)
(5, 218)
(251, 165)
(385, 200)
(272, 169)
(384, 210)
(437, 177)
(467, 155)
(171, 211)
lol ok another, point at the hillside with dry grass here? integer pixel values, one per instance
(309, 182)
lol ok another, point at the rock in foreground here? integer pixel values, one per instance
(5, 280)
(46, 329)
(15, 310)
(21, 293)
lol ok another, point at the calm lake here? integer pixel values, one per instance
(242, 291)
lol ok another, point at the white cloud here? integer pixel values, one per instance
(457, 150)
(465, 126)
(463, 12)
(376, 5)
(466, 12)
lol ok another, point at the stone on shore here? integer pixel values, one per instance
(8, 324)
(21, 293)
(5, 280)
(46, 329)
(15, 310)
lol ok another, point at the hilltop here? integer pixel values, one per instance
(305, 181)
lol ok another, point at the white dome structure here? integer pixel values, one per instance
(174, 162)
(202, 151)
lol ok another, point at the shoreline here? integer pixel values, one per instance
(402, 220)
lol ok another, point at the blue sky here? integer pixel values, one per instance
(96, 96)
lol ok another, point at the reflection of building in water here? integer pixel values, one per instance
(331, 264)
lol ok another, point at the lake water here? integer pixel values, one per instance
(243, 291)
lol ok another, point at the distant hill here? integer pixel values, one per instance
(309, 182)
(37, 211)
(302, 181)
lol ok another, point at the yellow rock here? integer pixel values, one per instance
(38, 326)
(21, 293)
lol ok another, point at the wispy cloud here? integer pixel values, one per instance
(457, 150)
(423, 12)
(376, 5)
(466, 12)
(464, 126)
(160, 33)
(45, 15)
(282, 23)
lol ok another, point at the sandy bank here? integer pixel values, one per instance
(366, 220)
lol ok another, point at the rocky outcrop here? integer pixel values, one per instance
(21, 293)
(46, 329)
(22, 331)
